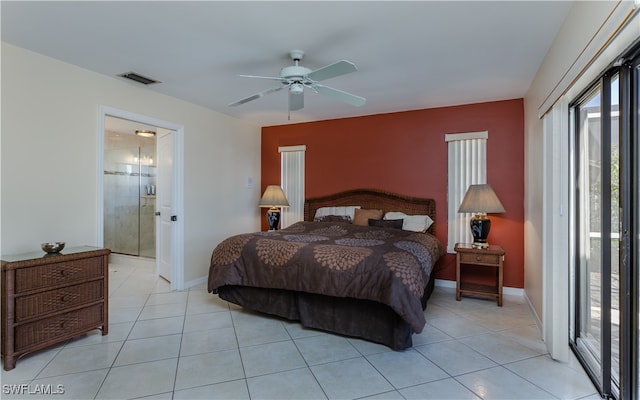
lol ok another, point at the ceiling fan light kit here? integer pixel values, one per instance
(296, 78)
(296, 88)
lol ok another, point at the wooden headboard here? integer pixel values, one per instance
(373, 199)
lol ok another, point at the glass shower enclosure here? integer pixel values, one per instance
(130, 194)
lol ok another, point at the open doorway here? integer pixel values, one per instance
(130, 187)
(137, 184)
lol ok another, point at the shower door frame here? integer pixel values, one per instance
(118, 235)
(177, 252)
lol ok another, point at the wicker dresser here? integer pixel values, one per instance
(49, 299)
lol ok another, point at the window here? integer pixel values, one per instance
(467, 165)
(292, 182)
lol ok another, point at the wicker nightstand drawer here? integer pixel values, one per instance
(46, 276)
(33, 306)
(475, 258)
(58, 327)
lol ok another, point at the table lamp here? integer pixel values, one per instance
(481, 200)
(273, 198)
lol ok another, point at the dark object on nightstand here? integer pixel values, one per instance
(489, 257)
(47, 300)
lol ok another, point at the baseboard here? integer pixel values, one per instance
(195, 282)
(535, 315)
(445, 283)
(505, 290)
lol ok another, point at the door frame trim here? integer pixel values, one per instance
(177, 264)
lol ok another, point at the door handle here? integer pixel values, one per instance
(157, 213)
(174, 218)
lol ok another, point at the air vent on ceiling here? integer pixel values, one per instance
(138, 78)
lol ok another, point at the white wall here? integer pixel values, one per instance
(49, 158)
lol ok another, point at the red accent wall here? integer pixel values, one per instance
(405, 153)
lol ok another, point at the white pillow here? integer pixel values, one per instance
(347, 211)
(414, 223)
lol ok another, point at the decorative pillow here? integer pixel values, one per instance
(347, 211)
(414, 223)
(362, 216)
(333, 218)
(386, 223)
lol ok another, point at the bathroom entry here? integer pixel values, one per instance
(130, 187)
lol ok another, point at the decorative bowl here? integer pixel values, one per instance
(52, 247)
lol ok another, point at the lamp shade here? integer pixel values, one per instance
(273, 196)
(481, 199)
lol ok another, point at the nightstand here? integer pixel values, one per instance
(490, 257)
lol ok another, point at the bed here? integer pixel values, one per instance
(356, 280)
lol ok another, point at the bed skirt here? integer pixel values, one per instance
(364, 319)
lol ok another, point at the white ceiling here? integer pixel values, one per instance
(410, 55)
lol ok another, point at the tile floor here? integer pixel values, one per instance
(192, 345)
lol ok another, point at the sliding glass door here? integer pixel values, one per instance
(605, 213)
(630, 237)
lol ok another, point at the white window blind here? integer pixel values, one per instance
(292, 182)
(467, 165)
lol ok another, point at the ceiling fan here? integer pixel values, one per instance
(296, 78)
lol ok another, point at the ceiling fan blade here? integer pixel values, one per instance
(256, 96)
(332, 70)
(273, 78)
(296, 101)
(340, 95)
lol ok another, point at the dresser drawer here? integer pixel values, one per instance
(478, 258)
(58, 327)
(46, 276)
(57, 300)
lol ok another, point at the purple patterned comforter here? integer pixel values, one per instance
(390, 266)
